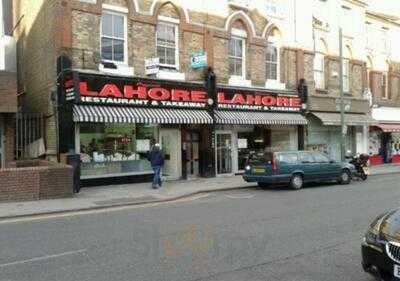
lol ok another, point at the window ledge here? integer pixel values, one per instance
(275, 84)
(239, 81)
(170, 75)
(122, 69)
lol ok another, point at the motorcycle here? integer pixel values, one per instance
(360, 162)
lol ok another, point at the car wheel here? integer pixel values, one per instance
(262, 184)
(345, 177)
(296, 182)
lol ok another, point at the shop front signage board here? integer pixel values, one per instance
(139, 92)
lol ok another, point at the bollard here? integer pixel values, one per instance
(74, 160)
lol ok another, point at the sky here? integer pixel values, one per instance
(391, 7)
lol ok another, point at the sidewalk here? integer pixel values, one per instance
(121, 195)
(385, 169)
(139, 193)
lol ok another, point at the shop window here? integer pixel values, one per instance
(115, 149)
(250, 146)
(113, 37)
(167, 44)
(237, 57)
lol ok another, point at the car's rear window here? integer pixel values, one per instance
(287, 158)
(263, 157)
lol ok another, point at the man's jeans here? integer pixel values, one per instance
(157, 176)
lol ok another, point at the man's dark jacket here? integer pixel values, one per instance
(156, 158)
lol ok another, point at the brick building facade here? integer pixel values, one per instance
(248, 46)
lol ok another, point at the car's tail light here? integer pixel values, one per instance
(274, 164)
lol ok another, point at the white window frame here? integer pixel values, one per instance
(346, 75)
(272, 40)
(385, 40)
(172, 23)
(346, 16)
(243, 39)
(369, 35)
(385, 80)
(319, 84)
(108, 9)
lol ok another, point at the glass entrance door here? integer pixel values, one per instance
(224, 153)
(192, 142)
(171, 147)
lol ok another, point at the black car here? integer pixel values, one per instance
(381, 247)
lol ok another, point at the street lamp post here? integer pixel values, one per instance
(342, 116)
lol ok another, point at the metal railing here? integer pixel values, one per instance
(29, 128)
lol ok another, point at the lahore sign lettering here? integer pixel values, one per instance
(144, 93)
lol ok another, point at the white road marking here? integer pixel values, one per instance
(43, 258)
(240, 196)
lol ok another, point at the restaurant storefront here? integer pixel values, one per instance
(252, 121)
(112, 122)
(384, 136)
(116, 120)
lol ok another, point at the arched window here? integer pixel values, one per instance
(272, 56)
(321, 51)
(237, 51)
(347, 55)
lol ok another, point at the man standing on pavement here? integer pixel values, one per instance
(156, 159)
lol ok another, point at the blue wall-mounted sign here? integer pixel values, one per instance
(198, 59)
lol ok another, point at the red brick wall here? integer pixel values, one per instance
(47, 180)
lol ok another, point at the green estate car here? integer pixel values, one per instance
(296, 168)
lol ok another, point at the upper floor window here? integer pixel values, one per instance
(237, 56)
(385, 40)
(167, 44)
(275, 8)
(368, 34)
(272, 61)
(384, 82)
(272, 56)
(113, 37)
(369, 68)
(346, 69)
(347, 21)
(319, 64)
